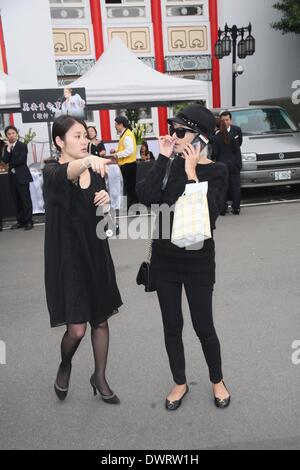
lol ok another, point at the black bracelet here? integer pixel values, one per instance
(191, 181)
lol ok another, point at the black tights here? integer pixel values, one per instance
(200, 303)
(69, 344)
(100, 343)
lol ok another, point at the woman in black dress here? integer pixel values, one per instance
(145, 153)
(79, 272)
(96, 146)
(174, 267)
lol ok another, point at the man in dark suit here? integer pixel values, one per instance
(235, 163)
(15, 154)
(2, 145)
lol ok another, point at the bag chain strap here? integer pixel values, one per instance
(163, 187)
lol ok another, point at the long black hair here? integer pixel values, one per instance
(224, 132)
(92, 127)
(62, 125)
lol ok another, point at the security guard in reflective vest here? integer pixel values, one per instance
(126, 155)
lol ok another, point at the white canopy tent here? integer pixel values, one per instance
(9, 93)
(120, 80)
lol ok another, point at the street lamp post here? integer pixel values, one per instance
(228, 42)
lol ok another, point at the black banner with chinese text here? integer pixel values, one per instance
(45, 105)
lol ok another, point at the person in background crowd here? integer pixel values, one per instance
(175, 267)
(2, 146)
(15, 154)
(217, 124)
(126, 155)
(79, 272)
(227, 149)
(96, 146)
(145, 153)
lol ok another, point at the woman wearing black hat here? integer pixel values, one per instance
(174, 267)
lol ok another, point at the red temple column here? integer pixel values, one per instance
(99, 48)
(159, 58)
(4, 62)
(214, 26)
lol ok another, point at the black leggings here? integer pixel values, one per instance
(200, 303)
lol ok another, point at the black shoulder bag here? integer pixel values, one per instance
(145, 275)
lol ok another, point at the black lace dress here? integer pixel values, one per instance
(80, 277)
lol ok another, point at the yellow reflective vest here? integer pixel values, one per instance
(121, 146)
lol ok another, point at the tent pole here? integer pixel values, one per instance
(50, 138)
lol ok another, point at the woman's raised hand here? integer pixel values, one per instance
(191, 156)
(98, 164)
(166, 145)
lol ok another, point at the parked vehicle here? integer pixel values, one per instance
(271, 146)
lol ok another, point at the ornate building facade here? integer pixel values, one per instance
(173, 36)
(53, 42)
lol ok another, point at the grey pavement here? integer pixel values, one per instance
(256, 310)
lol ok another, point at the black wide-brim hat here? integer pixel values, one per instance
(198, 118)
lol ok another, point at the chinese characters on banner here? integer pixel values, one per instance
(45, 105)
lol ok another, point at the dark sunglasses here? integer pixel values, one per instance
(181, 131)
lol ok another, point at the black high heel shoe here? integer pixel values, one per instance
(112, 399)
(174, 405)
(61, 392)
(222, 403)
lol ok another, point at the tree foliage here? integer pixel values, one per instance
(290, 22)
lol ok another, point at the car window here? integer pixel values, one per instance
(263, 121)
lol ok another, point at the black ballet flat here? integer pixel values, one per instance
(222, 403)
(112, 399)
(174, 405)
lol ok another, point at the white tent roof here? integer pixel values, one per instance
(120, 79)
(9, 93)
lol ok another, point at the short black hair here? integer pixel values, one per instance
(122, 120)
(226, 113)
(8, 128)
(62, 125)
